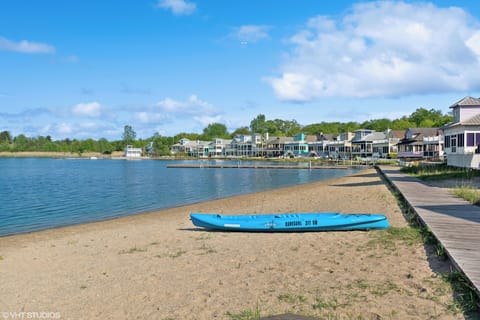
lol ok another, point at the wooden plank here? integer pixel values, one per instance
(453, 221)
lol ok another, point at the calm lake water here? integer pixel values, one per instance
(38, 193)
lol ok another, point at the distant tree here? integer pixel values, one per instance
(402, 124)
(429, 118)
(323, 127)
(129, 135)
(118, 145)
(215, 130)
(272, 127)
(377, 125)
(88, 145)
(5, 141)
(258, 125)
(189, 136)
(21, 143)
(312, 129)
(241, 131)
(5, 137)
(291, 128)
(280, 127)
(161, 145)
(104, 147)
(348, 126)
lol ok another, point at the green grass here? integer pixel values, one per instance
(440, 172)
(388, 238)
(376, 288)
(466, 299)
(132, 250)
(322, 304)
(292, 298)
(245, 315)
(470, 194)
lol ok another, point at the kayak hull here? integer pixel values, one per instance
(327, 221)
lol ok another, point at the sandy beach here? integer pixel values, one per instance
(159, 266)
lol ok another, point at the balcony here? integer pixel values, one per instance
(410, 154)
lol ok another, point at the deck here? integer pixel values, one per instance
(454, 221)
(262, 166)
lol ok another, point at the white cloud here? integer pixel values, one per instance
(474, 43)
(64, 129)
(149, 117)
(192, 106)
(251, 33)
(178, 7)
(382, 49)
(206, 120)
(25, 46)
(91, 109)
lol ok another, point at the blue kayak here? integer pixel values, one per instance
(318, 221)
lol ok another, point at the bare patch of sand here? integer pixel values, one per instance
(159, 266)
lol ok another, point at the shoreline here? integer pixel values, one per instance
(165, 211)
(158, 265)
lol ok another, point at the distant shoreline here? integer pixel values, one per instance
(44, 154)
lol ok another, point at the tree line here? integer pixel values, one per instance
(160, 145)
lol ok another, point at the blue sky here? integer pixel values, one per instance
(85, 68)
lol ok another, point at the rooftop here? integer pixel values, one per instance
(467, 101)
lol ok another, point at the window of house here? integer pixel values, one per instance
(470, 139)
(447, 141)
(460, 140)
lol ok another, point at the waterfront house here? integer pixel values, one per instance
(276, 146)
(296, 148)
(362, 142)
(420, 144)
(341, 146)
(385, 145)
(240, 146)
(197, 148)
(462, 136)
(319, 147)
(131, 152)
(217, 148)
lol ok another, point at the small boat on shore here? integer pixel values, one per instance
(318, 221)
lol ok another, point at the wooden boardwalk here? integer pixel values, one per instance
(454, 221)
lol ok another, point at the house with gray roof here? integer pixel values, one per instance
(362, 142)
(385, 145)
(462, 136)
(420, 144)
(276, 146)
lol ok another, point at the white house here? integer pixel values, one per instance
(462, 136)
(131, 152)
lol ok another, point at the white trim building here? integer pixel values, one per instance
(462, 136)
(131, 152)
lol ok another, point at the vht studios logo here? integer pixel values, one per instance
(31, 315)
